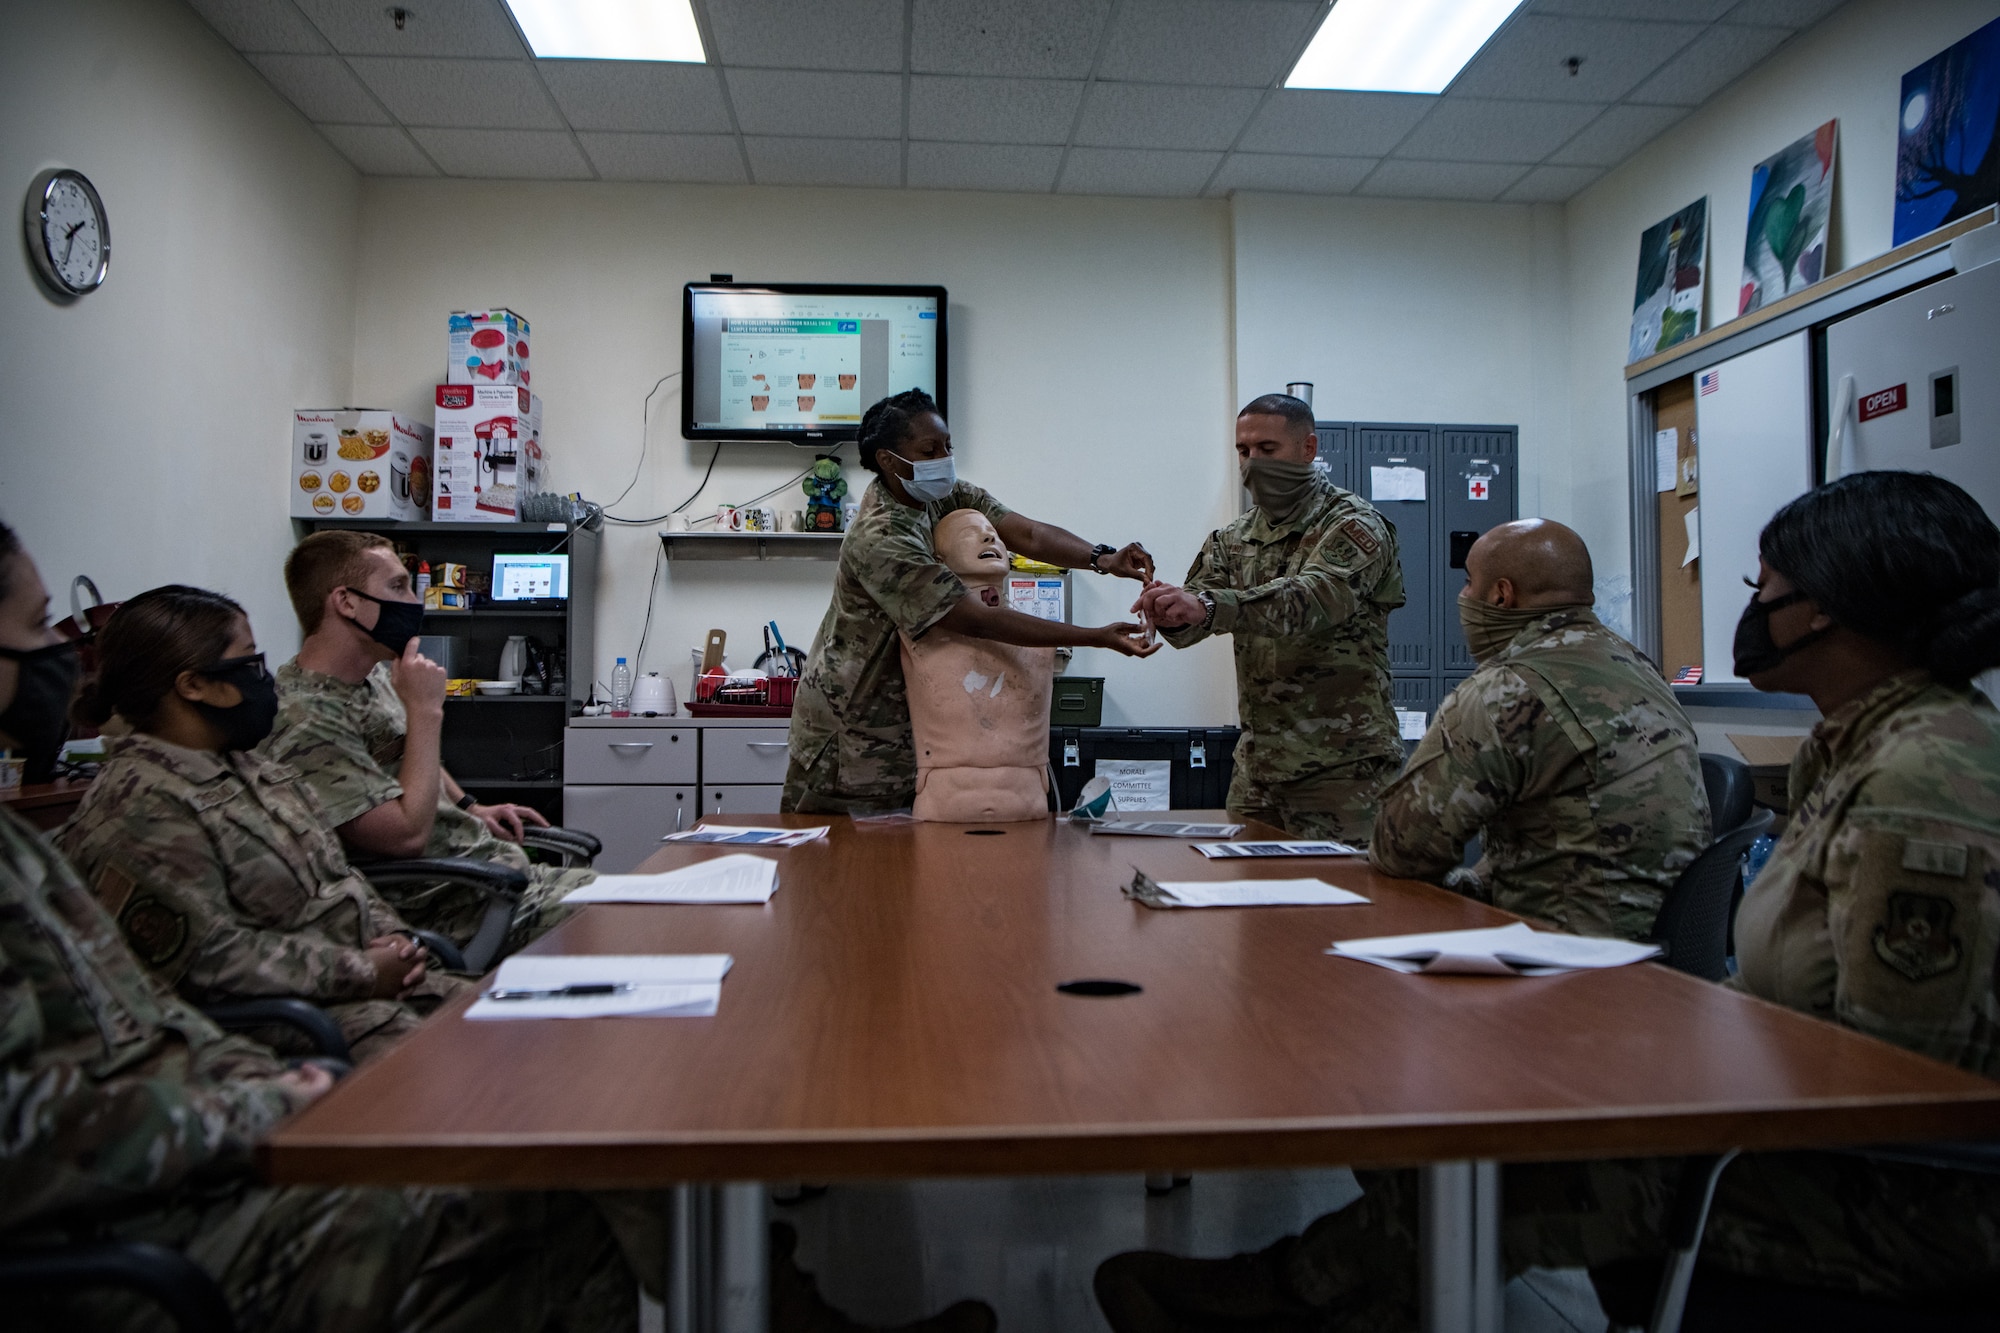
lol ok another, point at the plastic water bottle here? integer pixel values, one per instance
(621, 690)
(1754, 859)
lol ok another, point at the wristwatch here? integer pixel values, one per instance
(1097, 553)
(1207, 609)
(467, 801)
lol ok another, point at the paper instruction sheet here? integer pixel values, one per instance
(1237, 892)
(736, 878)
(651, 986)
(1500, 951)
(1216, 851)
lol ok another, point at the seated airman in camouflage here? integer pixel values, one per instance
(1565, 752)
(213, 860)
(1879, 909)
(360, 712)
(131, 1117)
(1304, 584)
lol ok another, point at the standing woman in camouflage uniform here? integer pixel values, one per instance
(851, 748)
(215, 862)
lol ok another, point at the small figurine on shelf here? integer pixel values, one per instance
(824, 488)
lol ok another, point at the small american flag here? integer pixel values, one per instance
(1711, 380)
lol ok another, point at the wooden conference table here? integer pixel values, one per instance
(893, 1012)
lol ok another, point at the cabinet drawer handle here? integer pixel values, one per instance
(768, 745)
(631, 745)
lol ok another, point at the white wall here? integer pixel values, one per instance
(1090, 378)
(1850, 67)
(145, 423)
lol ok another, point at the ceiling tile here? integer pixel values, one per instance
(637, 95)
(260, 25)
(796, 102)
(1441, 180)
(1284, 173)
(543, 155)
(1784, 13)
(473, 94)
(1134, 115)
(709, 158)
(1616, 135)
(1684, 11)
(1550, 185)
(432, 28)
(1464, 129)
(1136, 171)
(823, 34)
(1021, 111)
(321, 87)
(378, 150)
(1717, 58)
(1042, 39)
(983, 166)
(1247, 43)
(1526, 60)
(826, 161)
(1339, 124)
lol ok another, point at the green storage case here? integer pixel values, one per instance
(1078, 702)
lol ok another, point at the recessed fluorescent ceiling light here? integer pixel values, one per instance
(610, 29)
(1397, 46)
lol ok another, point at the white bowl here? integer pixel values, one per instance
(499, 687)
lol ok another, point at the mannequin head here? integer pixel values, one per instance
(967, 544)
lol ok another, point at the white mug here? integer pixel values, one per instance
(677, 522)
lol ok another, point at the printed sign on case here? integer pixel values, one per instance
(1138, 784)
(1883, 403)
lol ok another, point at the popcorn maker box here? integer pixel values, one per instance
(487, 347)
(350, 462)
(489, 453)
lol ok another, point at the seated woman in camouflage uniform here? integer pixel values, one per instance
(215, 862)
(1879, 597)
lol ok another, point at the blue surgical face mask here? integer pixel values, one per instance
(930, 479)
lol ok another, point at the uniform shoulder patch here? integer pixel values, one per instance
(1357, 532)
(1915, 937)
(1934, 858)
(114, 888)
(157, 931)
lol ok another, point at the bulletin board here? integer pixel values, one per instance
(1678, 482)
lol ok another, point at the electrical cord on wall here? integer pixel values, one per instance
(645, 432)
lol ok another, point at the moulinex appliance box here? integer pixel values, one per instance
(488, 454)
(352, 462)
(487, 347)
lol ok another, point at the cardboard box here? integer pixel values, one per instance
(364, 463)
(489, 453)
(487, 347)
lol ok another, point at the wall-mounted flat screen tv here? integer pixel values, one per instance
(801, 362)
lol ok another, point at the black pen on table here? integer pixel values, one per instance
(585, 988)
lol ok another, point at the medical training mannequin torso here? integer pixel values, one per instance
(979, 710)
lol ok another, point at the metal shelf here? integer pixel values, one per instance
(752, 545)
(525, 783)
(431, 526)
(507, 699)
(497, 611)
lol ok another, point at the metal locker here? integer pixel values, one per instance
(1397, 466)
(1336, 452)
(1478, 487)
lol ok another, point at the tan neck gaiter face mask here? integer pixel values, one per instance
(1489, 628)
(1278, 487)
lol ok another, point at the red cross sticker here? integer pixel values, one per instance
(1475, 488)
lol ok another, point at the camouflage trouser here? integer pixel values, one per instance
(823, 789)
(1809, 1219)
(1339, 803)
(344, 1261)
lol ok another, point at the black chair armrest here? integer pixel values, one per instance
(440, 948)
(489, 875)
(309, 1019)
(1983, 1158)
(574, 846)
(172, 1281)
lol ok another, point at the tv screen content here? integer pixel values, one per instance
(801, 361)
(530, 578)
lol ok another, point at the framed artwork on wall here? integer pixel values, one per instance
(1673, 265)
(1791, 208)
(1947, 157)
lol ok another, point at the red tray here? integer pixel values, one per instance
(739, 710)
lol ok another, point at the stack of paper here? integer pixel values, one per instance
(1321, 847)
(604, 986)
(1165, 828)
(749, 837)
(1499, 951)
(1237, 892)
(736, 878)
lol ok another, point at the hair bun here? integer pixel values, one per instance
(90, 707)
(1967, 639)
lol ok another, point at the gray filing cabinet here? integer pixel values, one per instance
(630, 782)
(743, 767)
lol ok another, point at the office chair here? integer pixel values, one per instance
(501, 885)
(309, 1020)
(167, 1278)
(1731, 793)
(1693, 924)
(567, 847)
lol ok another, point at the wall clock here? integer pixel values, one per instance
(68, 233)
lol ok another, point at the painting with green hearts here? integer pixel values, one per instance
(1791, 205)
(1666, 303)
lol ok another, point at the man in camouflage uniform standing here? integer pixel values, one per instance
(1565, 752)
(1305, 583)
(360, 716)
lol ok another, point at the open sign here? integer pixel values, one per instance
(1885, 402)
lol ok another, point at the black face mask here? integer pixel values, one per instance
(39, 716)
(245, 724)
(1753, 649)
(395, 625)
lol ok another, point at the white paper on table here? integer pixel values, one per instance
(1510, 951)
(736, 878)
(1254, 893)
(1666, 450)
(727, 834)
(1165, 828)
(1692, 518)
(1216, 851)
(664, 986)
(1395, 483)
